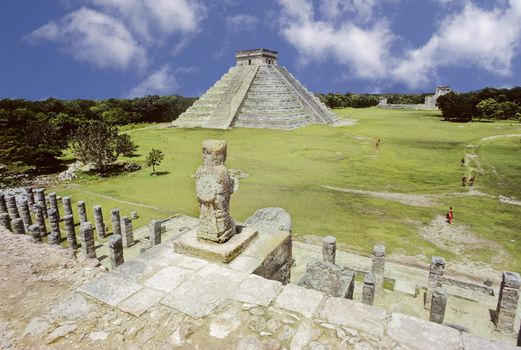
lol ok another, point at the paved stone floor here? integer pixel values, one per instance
(164, 300)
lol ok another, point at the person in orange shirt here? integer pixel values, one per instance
(450, 216)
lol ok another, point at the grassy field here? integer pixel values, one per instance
(418, 154)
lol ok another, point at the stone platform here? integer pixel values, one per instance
(189, 243)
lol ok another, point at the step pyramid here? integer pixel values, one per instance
(256, 93)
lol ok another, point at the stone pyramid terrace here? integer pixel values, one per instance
(256, 93)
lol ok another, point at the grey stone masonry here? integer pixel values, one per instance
(40, 219)
(439, 304)
(3, 205)
(155, 233)
(329, 278)
(29, 195)
(70, 231)
(82, 212)
(435, 279)
(67, 206)
(329, 249)
(98, 221)
(5, 221)
(54, 223)
(368, 289)
(116, 222)
(39, 198)
(53, 204)
(18, 226)
(25, 212)
(126, 232)
(36, 232)
(378, 268)
(87, 240)
(133, 215)
(116, 251)
(507, 301)
(12, 209)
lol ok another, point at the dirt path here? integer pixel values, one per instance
(123, 201)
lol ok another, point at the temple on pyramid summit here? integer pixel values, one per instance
(256, 93)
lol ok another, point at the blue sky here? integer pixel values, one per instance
(124, 48)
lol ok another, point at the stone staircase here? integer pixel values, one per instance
(273, 103)
(323, 113)
(212, 109)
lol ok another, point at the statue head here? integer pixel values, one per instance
(214, 152)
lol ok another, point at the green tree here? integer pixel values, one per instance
(154, 158)
(96, 143)
(487, 108)
(125, 146)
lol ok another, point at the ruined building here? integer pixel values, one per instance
(256, 93)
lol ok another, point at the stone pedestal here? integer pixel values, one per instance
(155, 233)
(438, 305)
(70, 231)
(127, 233)
(330, 279)
(87, 240)
(220, 252)
(378, 268)
(368, 289)
(116, 222)
(82, 212)
(39, 198)
(53, 204)
(507, 302)
(329, 249)
(435, 279)
(67, 206)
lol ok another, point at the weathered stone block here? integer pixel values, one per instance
(436, 270)
(155, 233)
(127, 232)
(70, 231)
(18, 226)
(329, 249)
(168, 278)
(257, 290)
(368, 289)
(82, 212)
(378, 268)
(269, 220)
(5, 221)
(299, 299)
(140, 302)
(87, 240)
(439, 303)
(110, 288)
(330, 279)
(115, 251)
(507, 301)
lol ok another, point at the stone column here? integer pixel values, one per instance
(29, 196)
(54, 222)
(378, 268)
(3, 205)
(18, 226)
(116, 251)
(82, 212)
(36, 232)
(126, 232)
(507, 302)
(53, 204)
(87, 240)
(5, 221)
(12, 209)
(70, 231)
(67, 206)
(40, 219)
(116, 222)
(98, 221)
(155, 233)
(133, 215)
(25, 213)
(329, 249)
(438, 305)
(39, 198)
(214, 187)
(368, 289)
(435, 278)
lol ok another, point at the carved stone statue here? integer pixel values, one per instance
(214, 187)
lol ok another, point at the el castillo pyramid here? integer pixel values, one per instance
(256, 93)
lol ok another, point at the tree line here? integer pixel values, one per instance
(338, 100)
(33, 134)
(485, 104)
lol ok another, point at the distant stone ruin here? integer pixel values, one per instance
(256, 93)
(429, 104)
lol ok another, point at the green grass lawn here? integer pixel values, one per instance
(418, 154)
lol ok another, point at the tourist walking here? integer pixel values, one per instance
(463, 181)
(471, 180)
(450, 216)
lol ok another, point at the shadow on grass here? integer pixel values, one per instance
(159, 173)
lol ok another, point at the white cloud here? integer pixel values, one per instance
(153, 20)
(365, 50)
(93, 37)
(485, 39)
(160, 82)
(240, 22)
(361, 9)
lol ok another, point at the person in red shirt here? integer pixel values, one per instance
(450, 216)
